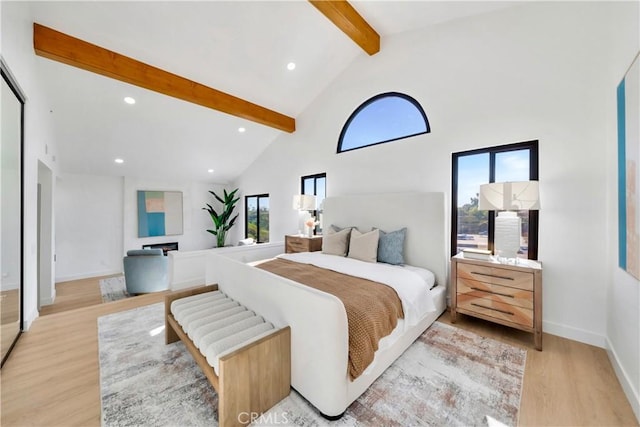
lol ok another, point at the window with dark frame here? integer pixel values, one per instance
(384, 118)
(473, 228)
(256, 214)
(315, 185)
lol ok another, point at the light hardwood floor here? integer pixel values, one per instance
(52, 376)
(75, 294)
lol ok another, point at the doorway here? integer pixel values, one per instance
(46, 284)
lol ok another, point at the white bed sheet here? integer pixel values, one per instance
(412, 284)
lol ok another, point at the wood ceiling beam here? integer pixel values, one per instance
(69, 50)
(350, 22)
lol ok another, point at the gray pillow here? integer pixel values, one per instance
(335, 228)
(336, 243)
(364, 246)
(391, 247)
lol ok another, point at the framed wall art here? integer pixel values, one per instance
(628, 100)
(159, 213)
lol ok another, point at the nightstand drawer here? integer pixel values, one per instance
(510, 313)
(495, 275)
(503, 294)
(294, 244)
(297, 244)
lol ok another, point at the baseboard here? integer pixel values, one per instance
(28, 320)
(8, 286)
(87, 275)
(575, 334)
(632, 395)
(49, 301)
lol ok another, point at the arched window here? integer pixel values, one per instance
(383, 118)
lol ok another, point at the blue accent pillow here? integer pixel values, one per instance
(391, 247)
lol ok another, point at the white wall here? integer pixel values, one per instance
(623, 302)
(17, 50)
(89, 221)
(535, 71)
(195, 220)
(97, 222)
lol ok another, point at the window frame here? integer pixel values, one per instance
(372, 100)
(532, 146)
(315, 178)
(246, 216)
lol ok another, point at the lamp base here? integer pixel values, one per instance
(507, 234)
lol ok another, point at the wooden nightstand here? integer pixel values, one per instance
(294, 244)
(502, 293)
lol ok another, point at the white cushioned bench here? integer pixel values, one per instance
(245, 357)
(217, 325)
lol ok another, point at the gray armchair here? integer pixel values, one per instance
(145, 270)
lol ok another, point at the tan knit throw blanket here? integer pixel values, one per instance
(373, 309)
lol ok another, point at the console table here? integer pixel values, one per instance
(166, 247)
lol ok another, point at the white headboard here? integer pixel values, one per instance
(421, 213)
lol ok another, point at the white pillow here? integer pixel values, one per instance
(426, 275)
(336, 243)
(364, 246)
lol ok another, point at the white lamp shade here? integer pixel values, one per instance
(505, 196)
(304, 202)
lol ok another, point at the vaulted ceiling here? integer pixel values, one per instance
(238, 47)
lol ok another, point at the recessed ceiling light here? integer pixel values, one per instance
(291, 66)
(210, 170)
(119, 161)
(129, 100)
(241, 130)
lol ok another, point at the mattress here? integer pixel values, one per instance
(412, 284)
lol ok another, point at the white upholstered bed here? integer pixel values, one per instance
(319, 337)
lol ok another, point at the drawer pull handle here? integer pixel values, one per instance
(494, 309)
(492, 275)
(493, 292)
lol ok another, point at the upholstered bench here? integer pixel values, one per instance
(246, 359)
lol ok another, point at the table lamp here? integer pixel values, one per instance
(304, 202)
(507, 198)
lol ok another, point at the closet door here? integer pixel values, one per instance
(11, 271)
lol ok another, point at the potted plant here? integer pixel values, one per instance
(223, 222)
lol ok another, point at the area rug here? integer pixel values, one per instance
(113, 289)
(447, 377)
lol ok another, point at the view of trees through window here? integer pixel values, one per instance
(257, 217)
(473, 228)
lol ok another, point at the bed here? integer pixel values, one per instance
(318, 321)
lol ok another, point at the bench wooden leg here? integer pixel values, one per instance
(254, 378)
